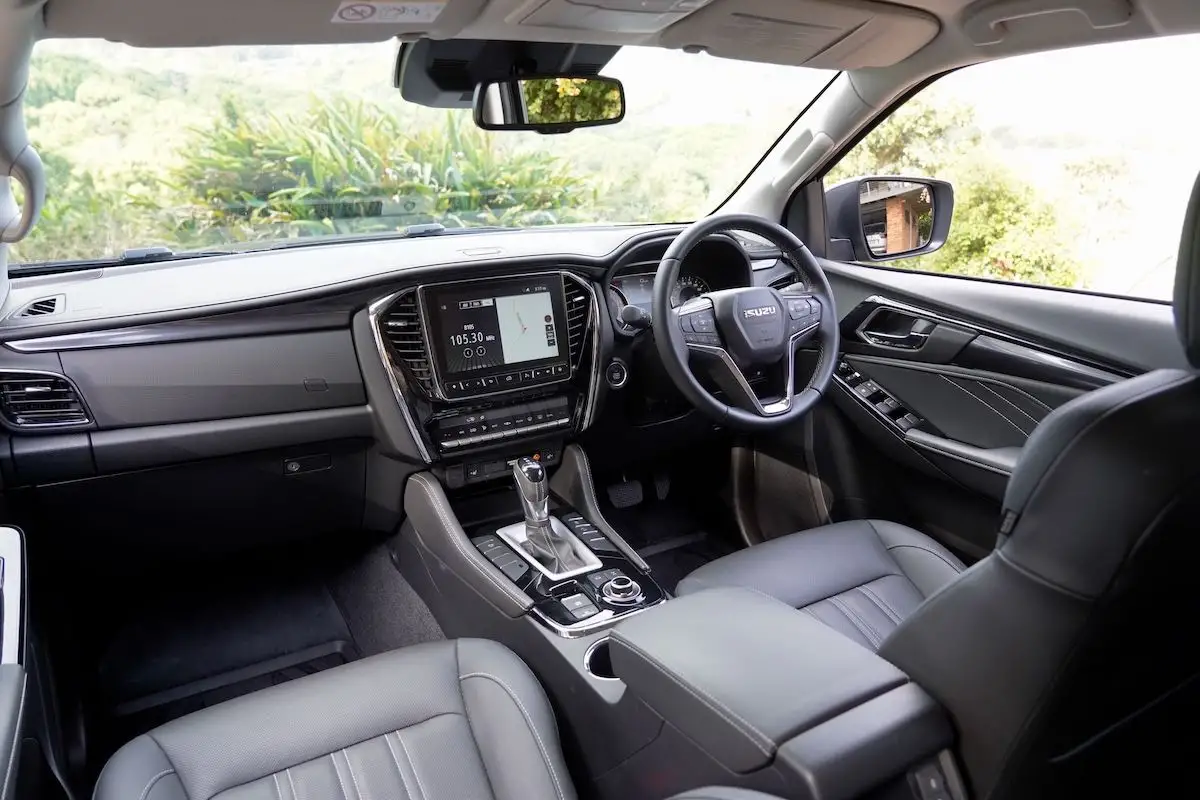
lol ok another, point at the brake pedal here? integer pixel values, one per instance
(625, 494)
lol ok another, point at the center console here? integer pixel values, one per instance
(491, 369)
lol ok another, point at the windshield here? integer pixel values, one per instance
(228, 147)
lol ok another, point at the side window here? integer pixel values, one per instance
(1070, 169)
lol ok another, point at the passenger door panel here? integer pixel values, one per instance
(978, 365)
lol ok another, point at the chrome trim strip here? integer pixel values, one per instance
(373, 312)
(602, 621)
(590, 405)
(49, 426)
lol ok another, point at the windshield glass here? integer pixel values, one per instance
(232, 146)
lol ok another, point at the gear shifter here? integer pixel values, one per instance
(541, 540)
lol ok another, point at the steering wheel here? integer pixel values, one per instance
(755, 328)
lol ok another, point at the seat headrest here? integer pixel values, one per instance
(1187, 280)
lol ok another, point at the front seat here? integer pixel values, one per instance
(437, 721)
(1062, 655)
(861, 577)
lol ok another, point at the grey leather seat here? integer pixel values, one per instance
(437, 721)
(1066, 657)
(861, 577)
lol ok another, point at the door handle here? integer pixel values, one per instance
(896, 330)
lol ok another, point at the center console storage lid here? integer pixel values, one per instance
(740, 673)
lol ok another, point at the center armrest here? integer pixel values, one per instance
(740, 673)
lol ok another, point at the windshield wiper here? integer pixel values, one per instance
(152, 254)
(128, 257)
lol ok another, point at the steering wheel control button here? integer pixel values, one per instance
(617, 374)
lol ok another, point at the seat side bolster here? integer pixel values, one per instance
(139, 771)
(512, 723)
(925, 562)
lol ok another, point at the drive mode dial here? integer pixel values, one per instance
(621, 590)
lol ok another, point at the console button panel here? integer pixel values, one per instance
(458, 432)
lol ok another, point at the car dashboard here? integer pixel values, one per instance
(312, 398)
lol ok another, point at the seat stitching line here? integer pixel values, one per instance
(849, 619)
(278, 788)
(999, 413)
(146, 792)
(353, 777)
(878, 601)
(528, 721)
(867, 628)
(1001, 397)
(411, 764)
(728, 714)
(931, 552)
(292, 784)
(467, 715)
(338, 772)
(396, 761)
(441, 513)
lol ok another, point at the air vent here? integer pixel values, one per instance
(579, 306)
(43, 307)
(787, 280)
(401, 327)
(35, 400)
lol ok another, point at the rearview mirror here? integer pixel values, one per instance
(886, 218)
(556, 104)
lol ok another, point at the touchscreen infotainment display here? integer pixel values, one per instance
(487, 326)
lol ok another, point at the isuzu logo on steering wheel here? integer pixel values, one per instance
(761, 311)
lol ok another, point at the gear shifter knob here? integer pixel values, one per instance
(530, 477)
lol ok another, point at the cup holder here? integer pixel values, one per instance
(598, 661)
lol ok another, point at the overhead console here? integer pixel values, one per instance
(488, 369)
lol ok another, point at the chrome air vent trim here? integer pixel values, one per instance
(37, 400)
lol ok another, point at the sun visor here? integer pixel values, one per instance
(816, 33)
(156, 23)
(615, 16)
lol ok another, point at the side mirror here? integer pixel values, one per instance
(886, 218)
(549, 104)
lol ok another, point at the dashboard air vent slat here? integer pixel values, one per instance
(32, 400)
(42, 307)
(402, 330)
(579, 307)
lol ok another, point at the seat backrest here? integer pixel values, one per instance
(1062, 655)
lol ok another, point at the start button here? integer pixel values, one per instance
(617, 374)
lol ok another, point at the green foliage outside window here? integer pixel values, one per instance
(1000, 228)
(552, 100)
